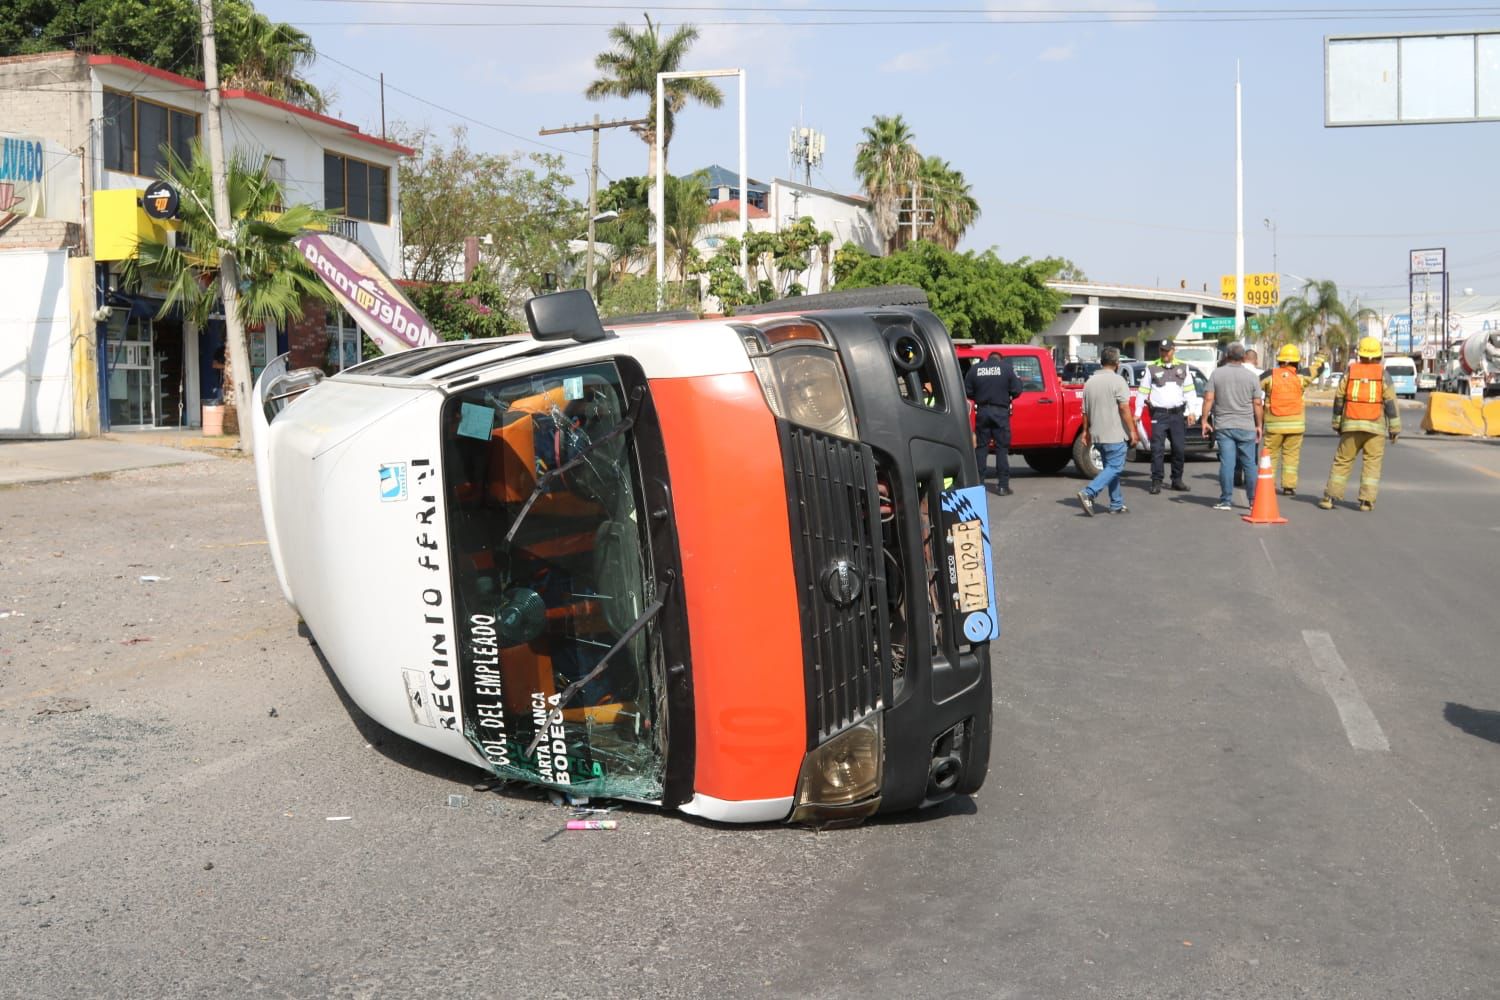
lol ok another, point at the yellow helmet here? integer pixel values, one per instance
(1289, 353)
(1369, 347)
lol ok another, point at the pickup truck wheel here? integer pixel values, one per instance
(1049, 462)
(1087, 458)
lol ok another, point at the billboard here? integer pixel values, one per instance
(1411, 78)
(367, 293)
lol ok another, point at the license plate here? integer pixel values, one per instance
(972, 583)
(971, 575)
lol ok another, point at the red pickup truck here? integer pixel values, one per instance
(1046, 420)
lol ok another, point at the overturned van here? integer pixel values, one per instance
(740, 568)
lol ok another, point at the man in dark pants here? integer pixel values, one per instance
(992, 384)
(1168, 384)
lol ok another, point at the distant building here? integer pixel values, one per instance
(80, 354)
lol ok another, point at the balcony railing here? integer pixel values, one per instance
(347, 228)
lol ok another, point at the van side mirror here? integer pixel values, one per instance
(568, 315)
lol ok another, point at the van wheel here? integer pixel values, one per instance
(1049, 462)
(1087, 458)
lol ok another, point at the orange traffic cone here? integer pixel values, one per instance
(1264, 509)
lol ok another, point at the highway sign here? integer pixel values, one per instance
(1260, 289)
(1225, 324)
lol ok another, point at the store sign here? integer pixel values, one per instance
(1429, 261)
(23, 166)
(1260, 289)
(366, 292)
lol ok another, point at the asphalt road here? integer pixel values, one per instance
(1229, 761)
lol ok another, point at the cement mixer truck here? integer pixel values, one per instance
(1474, 366)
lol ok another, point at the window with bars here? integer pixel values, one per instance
(355, 188)
(138, 133)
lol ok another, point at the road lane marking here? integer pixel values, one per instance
(1268, 555)
(1360, 724)
(1487, 472)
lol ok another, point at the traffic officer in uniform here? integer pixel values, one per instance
(992, 384)
(1365, 415)
(1169, 386)
(1286, 413)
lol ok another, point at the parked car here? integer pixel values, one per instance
(1427, 381)
(1077, 372)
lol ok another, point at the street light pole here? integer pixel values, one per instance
(1275, 266)
(1239, 215)
(659, 191)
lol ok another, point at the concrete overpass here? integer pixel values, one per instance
(1094, 314)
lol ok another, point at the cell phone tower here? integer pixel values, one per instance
(806, 151)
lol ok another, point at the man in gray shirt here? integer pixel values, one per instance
(1106, 415)
(1233, 406)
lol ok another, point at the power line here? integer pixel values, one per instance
(1138, 17)
(1132, 12)
(456, 114)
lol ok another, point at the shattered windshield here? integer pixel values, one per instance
(560, 656)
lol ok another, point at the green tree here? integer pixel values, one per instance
(686, 214)
(630, 70)
(725, 282)
(274, 280)
(632, 295)
(1318, 316)
(516, 205)
(628, 235)
(779, 257)
(887, 164)
(847, 259)
(954, 207)
(977, 296)
(254, 52)
(465, 310)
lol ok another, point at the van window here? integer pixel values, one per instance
(551, 572)
(1402, 368)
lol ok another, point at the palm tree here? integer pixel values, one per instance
(887, 163)
(686, 214)
(1320, 317)
(630, 70)
(274, 281)
(268, 58)
(954, 207)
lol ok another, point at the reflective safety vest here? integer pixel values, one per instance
(1364, 391)
(1286, 392)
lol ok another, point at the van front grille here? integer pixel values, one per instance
(834, 510)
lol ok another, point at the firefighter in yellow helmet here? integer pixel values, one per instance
(1286, 414)
(1365, 415)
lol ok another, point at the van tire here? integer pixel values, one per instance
(854, 298)
(1084, 459)
(1048, 462)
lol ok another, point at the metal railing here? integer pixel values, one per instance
(347, 228)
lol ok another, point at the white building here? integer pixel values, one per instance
(78, 353)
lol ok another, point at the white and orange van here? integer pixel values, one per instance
(736, 567)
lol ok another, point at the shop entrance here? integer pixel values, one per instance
(130, 357)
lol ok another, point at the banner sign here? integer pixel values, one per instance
(367, 293)
(23, 165)
(1429, 261)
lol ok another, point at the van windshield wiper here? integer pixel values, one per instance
(552, 475)
(567, 694)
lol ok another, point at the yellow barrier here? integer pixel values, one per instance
(1492, 417)
(1450, 413)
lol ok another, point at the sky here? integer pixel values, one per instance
(1097, 130)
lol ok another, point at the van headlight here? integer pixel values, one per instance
(840, 780)
(806, 386)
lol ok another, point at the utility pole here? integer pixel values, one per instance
(229, 274)
(1239, 216)
(595, 127)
